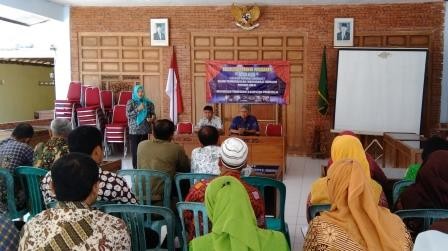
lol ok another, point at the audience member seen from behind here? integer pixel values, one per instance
(234, 224)
(73, 225)
(205, 159)
(345, 147)
(47, 153)
(431, 240)
(355, 221)
(161, 154)
(429, 146)
(209, 119)
(16, 151)
(88, 140)
(140, 113)
(233, 159)
(245, 124)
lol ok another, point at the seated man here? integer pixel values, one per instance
(14, 152)
(161, 154)
(205, 159)
(245, 124)
(9, 239)
(47, 153)
(73, 225)
(87, 140)
(233, 160)
(209, 119)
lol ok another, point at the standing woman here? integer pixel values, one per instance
(140, 112)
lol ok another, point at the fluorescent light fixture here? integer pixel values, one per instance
(20, 17)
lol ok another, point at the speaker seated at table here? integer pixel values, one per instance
(245, 124)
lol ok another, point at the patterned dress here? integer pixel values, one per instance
(45, 154)
(74, 226)
(326, 236)
(205, 160)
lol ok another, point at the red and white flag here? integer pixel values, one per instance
(173, 90)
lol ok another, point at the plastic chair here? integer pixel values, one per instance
(274, 223)
(92, 98)
(428, 215)
(66, 110)
(184, 128)
(31, 178)
(124, 97)
(116, 131)
(136, 218)
(193, 178)
(274, 130)
(317, 209)
(398, 188)
(107, 102)
(74, 92)
(8, 181)
(196, 208)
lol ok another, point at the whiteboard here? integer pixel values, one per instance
(380, 90)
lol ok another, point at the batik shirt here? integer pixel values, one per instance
(205, 160)
(197, 194)
(215, 122)
(131, 113)
(47, 153)
(111, 188)
(74, 226)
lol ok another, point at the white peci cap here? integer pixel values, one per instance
(234, 153)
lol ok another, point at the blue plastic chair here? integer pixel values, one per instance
(399, 187)
(317, 209)
(428, 215)
(8, 182)
(136, 217)
(276, 222)
(193, 178)
(195, 207)
(142, 180)
(31, 178)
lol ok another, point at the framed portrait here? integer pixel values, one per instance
(343, 32)
(159, 32)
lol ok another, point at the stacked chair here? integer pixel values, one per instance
(107, 103)
(67, 108)
(123, 97)
(91, 114)
(117, 130)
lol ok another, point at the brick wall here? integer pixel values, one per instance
(315, 21)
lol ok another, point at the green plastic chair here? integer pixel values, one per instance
(276, 222)
(317, 209)
(428, 215)
(195, 207)
(8, 181)
(193, 178)
(135, 217)
(398, 188)
(141, 184)
(31, 178)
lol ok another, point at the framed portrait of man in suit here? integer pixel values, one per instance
(343, 32)
(159, 32)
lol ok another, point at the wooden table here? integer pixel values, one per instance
(41, 134)
(263, 150)
(402, 149)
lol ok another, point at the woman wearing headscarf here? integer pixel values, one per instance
(140, 112)
(355, 221)
(346, 147)
(234, 224)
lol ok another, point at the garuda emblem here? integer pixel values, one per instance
(246, 17)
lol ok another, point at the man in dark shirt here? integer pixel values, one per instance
(245, 124)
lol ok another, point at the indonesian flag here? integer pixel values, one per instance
(173, 90)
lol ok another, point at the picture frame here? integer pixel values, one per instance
(159, 32)
(343, 32)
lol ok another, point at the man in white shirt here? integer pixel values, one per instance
(209, 120)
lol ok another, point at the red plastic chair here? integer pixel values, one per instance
(66, 110)
(83, 93)
(107, 102)
(116, 131)
(124, 97)
(93, 98)
(274, 130)
(184, 128)
(74, 92)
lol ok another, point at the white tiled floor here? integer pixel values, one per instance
(301, 172)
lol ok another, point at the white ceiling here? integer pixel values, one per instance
(223, 2)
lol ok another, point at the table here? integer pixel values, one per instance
(402, 149)
(263, 150)
(111, 166)
(41, 134)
